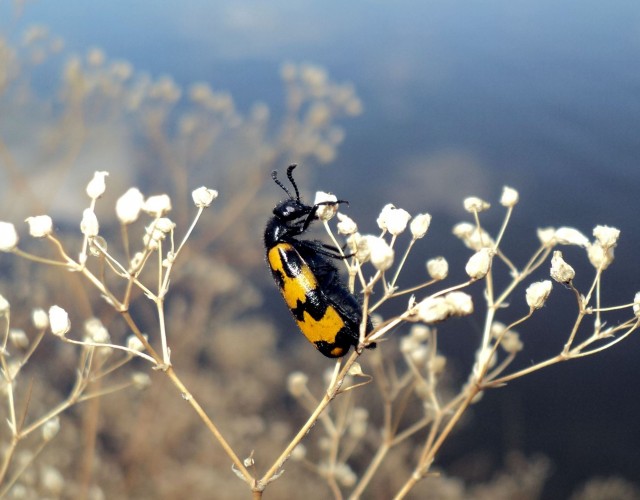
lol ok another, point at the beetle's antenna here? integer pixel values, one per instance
(293, 183)
(274, 176)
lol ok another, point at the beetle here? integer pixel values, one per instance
(326, 312)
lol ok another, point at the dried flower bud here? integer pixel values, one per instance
(473, 237)
(397, 221)
(438, 268)
(345, 475)
(327, 206)
(19, 338)
(40, 319)
(420, 225)
(129, 205)
(59, 321)
(385, 213)
(560, 270)
(8, 237)
(359, 245)
(547, 236)
(474, 204)
(97, 186)
(460, 303)
(297, 384)
(346, 225)
(381, 253)
(89, 225)
(636, 305)
(570, 236)
(298, 453)
(421, 333)
(479, 264)
(537, 293)
(606, 236)
(509, 197)
(599, 256)
(433, 310)
(52, 481)
(40, 226)
(203, 197)
(50, 428)
(164, 224)
(157, 205)
(511, 342)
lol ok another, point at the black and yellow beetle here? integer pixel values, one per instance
(326, 312)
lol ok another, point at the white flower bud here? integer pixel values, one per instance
(570, 236)
(297, 383)
(460, 303)
(420, 225)
(164, 224)
(19, 338)
(381, 253)
(329, 207)
(359, 245)
(511, 342)
(203, 197)
(96, 331)
(135, 344)
(157, 205)
(298, 453)
(473, 237)
(89, 225)
(474, 204)
(433, 310)
(438, 268)
(537, 293)
(636, 305)
(140, 380)
(50, 428)
(397, 220)
(599, 256)
(129, 205)
(59, 321)
(52, 481)
(384, 215)
(547, 236)
(4, 306)
(509, 197)
(420, 333)
(606, 236)
(345, 475)
(8, 237)
(96, 186)
(40, 319)
(40, 226)
(346, 224)
(560, 270)
(479, 264)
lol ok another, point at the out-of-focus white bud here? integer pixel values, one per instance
(96, 332)
(40, 319)
(381, 253)
(473, 237)
(359, 245)
(4, 306)
(474, 204)
(8, 237)
(164, 224)
(19, 338)
(203, 196)
(157, 205)
(298, 453)
(97, 186)
(606, 236)
(59, 321)
(438, 268)
(570, 236)
(135, 344)
(511, 342)
(40, 226)
(50, 428)
(509, 197)
(297, 383)
(560, 270)
(346, 225)
(479, 264)
(141, 380)
(537, 293)
(636, 305)
(329, 207)
(420, 225)
(129, 205)
(89, 225)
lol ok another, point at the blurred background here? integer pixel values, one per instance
(414, 103)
